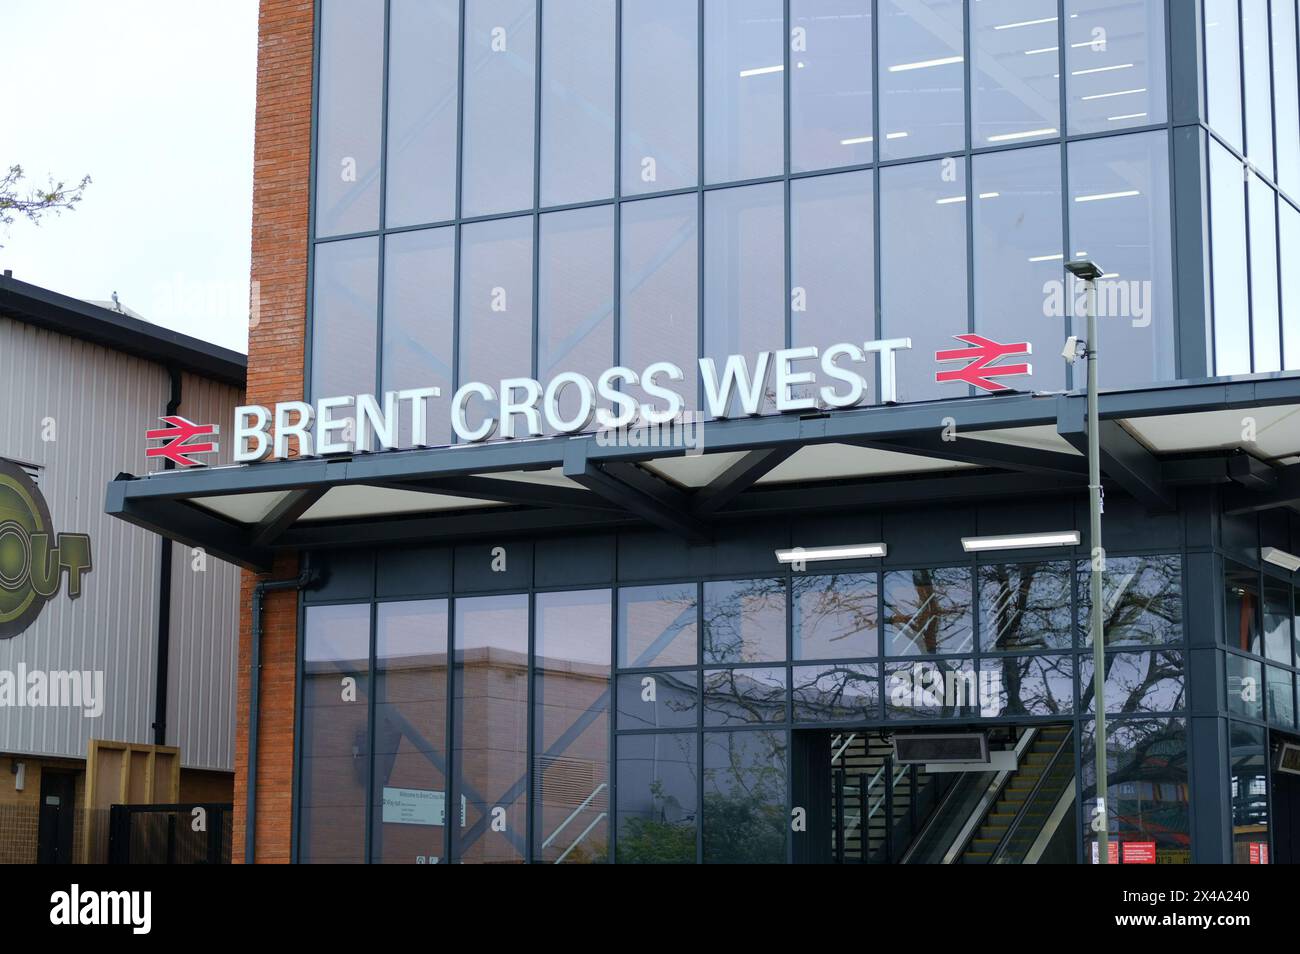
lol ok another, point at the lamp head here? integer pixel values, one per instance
(1084, 270)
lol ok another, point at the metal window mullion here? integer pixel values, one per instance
(877, 272)
(311, 205)
(699, 722)
(699, 227)
(530, 745)
(785, 119)
(968, 73)
(370, 726)
(618, 206)
(460, 229)
(537, 193)
(451, 785)
(1063, 93)
(383, 209)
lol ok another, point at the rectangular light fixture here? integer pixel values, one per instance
(925, 64)
(1287, 561)
(1021, 541)
(848, 551)
(1026, 134)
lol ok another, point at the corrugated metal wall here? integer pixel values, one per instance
(79, 412)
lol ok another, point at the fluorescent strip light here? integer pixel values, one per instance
(989, 195)
(852, 551)
(925, 64)
(950, 200)
(761, 70)
(1059, 256)
(1288, 561)
(1101, 69)
(1110, 274)
(1024, 23)
(1118, 92)
(1115, 119)
(1004, 137)
(897, 135)
(1021, 541)
(860, 139)
(1041, 49)
(1098, 197)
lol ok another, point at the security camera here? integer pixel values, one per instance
(1074, 349)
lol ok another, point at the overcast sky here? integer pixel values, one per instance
(154, 99)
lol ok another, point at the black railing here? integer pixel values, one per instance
(193, 833)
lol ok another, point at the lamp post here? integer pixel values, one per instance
(1089, 272)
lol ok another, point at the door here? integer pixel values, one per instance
(54, 829)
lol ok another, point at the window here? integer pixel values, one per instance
(657, 626)
(835, 617)
(1228, 253)
(660, 142)
(1277, 621)
(577, 101)
(830, 84)
(1250, 771)
(658, 799)
(836, 692)
(1142, 601)
(344, 318)
(1223, 69)
(744, 696)
(922, 77)
(660, 700)
(939, 689)
(1115, 64)
(1245, 687)
(744, 89)
(744, 621)
(1255, 49)
(1286, 97)
(1015, 91)
(1024, 606)
(1289, 234)
(1136, 682)
(1281, 697)
(1029, 685)
(1265, 322)
(745, 818)
(928, 611)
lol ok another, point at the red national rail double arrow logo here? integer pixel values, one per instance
(981, 354)
(176, 449)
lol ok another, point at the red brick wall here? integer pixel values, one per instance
(281, 172)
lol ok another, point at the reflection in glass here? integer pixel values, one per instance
(744, 90)
(1249, 792)
(660, 109)
(657, 626)
(423, 65)
(1245, 687)
(419, 287)
(1277, 621)
(500, 95)
(334, 740)
(923, 245)
(1115, 64)
(1024, 606)
(744, 797)
(1289, 233)
(349, 117)
(830, 84)
(922, 77)
(410, 781)
(658, 700)
(1265, 324)
(344, 319)
(491, 729)
(577, 101)
(744, 621)
(1030, 685)
(658, 799)
(941, 689)
(1281, 697)
(836, 692)
(1259, 87)
(1228, 255)
(835, 617)
(1018, 234)
(928, 611)
(1242, 603)
(1286, 96)
(1015, 95)
(744, 696)
(1142, 601)
(1223, 69)
(1137, 682)
(571, 706)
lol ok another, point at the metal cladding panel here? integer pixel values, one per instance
(78, 412)
(204, 617)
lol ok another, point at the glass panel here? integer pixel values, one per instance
(1259, 87)
(577, 101)
(922, 77)
(500, 96)
(1281, 697)
(657, 626)
(1265, 325)
(1018, 235)
(1242, 602)
(1249, 792)
(1017, 93)
(1119, 218)
(491, 729)
(744, 259)
(941, 689)
(744, 621)
(1286, 99)
(660, 95)
(420, 178)
(744, 797)
(1115, 54)
(744, 89)
(658, 799)
(923, 245)
(830, 86)
(575, 309)
(1290, 236)
(836, 693)
(419, 289)
(496, 306)
(659, 700)
(1245, 687)
(835, 617)
(349, 116)
(1137, 682)
(1277, 621)
(1147, 785)
(335, 741)
(1228, 252)
(1029, 685)
(1025, 606)
(832, 295)
(571, 719)
(1223, 69)
(928, 611)
(410, 732)
(1142, 601)
(744, 696)
(660, 292)
(344, 317)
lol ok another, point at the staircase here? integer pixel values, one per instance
(878, 805)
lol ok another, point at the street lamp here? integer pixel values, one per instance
(1088, 272)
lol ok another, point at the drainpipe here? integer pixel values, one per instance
(165, 597)
(305, 578)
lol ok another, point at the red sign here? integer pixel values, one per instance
(176, 449)
(1139, 852)
(1112, 853)
(981, 354)
(1259, 852)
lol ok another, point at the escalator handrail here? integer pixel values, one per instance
(1005, 841)
(990, 798)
